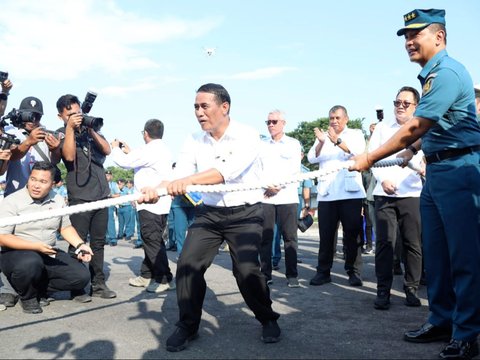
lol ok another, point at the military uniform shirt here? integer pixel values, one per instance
(448, 99)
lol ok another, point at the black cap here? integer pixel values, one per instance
(32, 104)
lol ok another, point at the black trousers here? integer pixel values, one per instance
(92, 226)
(241, 227)
(398, 219)
(155, 264)
(349, 213)
(285, 216)
(33, 274)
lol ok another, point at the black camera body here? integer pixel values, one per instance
(19, 117)
(379, 114)
(92, 122)
(7, 140)
(3, 76)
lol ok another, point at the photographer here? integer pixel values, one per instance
(36, 144)
(30, 260)
(83, 152)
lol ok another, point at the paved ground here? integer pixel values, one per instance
(329, 321)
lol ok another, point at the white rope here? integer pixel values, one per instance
(100, 204)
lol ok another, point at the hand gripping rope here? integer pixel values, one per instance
(100, 204)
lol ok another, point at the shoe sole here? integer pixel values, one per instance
(160, 291)
(183, 346)
(381, 307)
(429, 340)
(104, 297)
(83, 301)
(413, 304)
(270, 339)
(321, 283)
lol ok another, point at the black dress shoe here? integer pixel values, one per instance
(102, 291)
(179, 339)
(428, 333)
(8, 299)
(382, 302)
(411, 298)
(354, 280)
(31, 306)
(457, 349)
(271, 332)
(320, 279)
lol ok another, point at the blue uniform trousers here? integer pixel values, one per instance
(179, 219)
(124, 214)
(111, 229)
(450, 210)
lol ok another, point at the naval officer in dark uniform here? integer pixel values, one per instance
(445, 121)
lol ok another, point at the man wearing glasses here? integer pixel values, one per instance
(397, 206)
(281, 157)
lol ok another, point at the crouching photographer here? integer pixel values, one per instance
(83, 152)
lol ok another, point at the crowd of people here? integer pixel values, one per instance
(430, 205)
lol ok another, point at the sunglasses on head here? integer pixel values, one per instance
(274, 122)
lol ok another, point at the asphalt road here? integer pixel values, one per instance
(329, 321)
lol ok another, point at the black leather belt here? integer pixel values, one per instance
(450, 153)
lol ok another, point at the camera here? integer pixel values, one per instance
(88, 102)
(20, 117)
(6, 141)
(379, 114)
(54, 133)
(92, 122)
(3, 76)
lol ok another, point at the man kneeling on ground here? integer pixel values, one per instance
(30, 259)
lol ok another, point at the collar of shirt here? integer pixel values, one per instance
(431, 64)
(28, 199)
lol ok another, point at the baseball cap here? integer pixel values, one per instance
(32, 104)
(419, 19)
(108, 172)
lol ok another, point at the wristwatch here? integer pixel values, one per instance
(412, 149)
(339, 141)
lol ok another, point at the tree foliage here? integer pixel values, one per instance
(117, 172)
(304, 133)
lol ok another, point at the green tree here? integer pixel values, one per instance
(119, 173)
(304, 133)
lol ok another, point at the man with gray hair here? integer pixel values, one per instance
(281, 155)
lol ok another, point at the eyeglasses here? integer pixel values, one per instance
(274, 122)
(143, 132)
(405, 104)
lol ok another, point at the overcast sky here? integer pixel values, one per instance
(146, 58)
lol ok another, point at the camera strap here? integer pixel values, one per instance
(41, 153)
